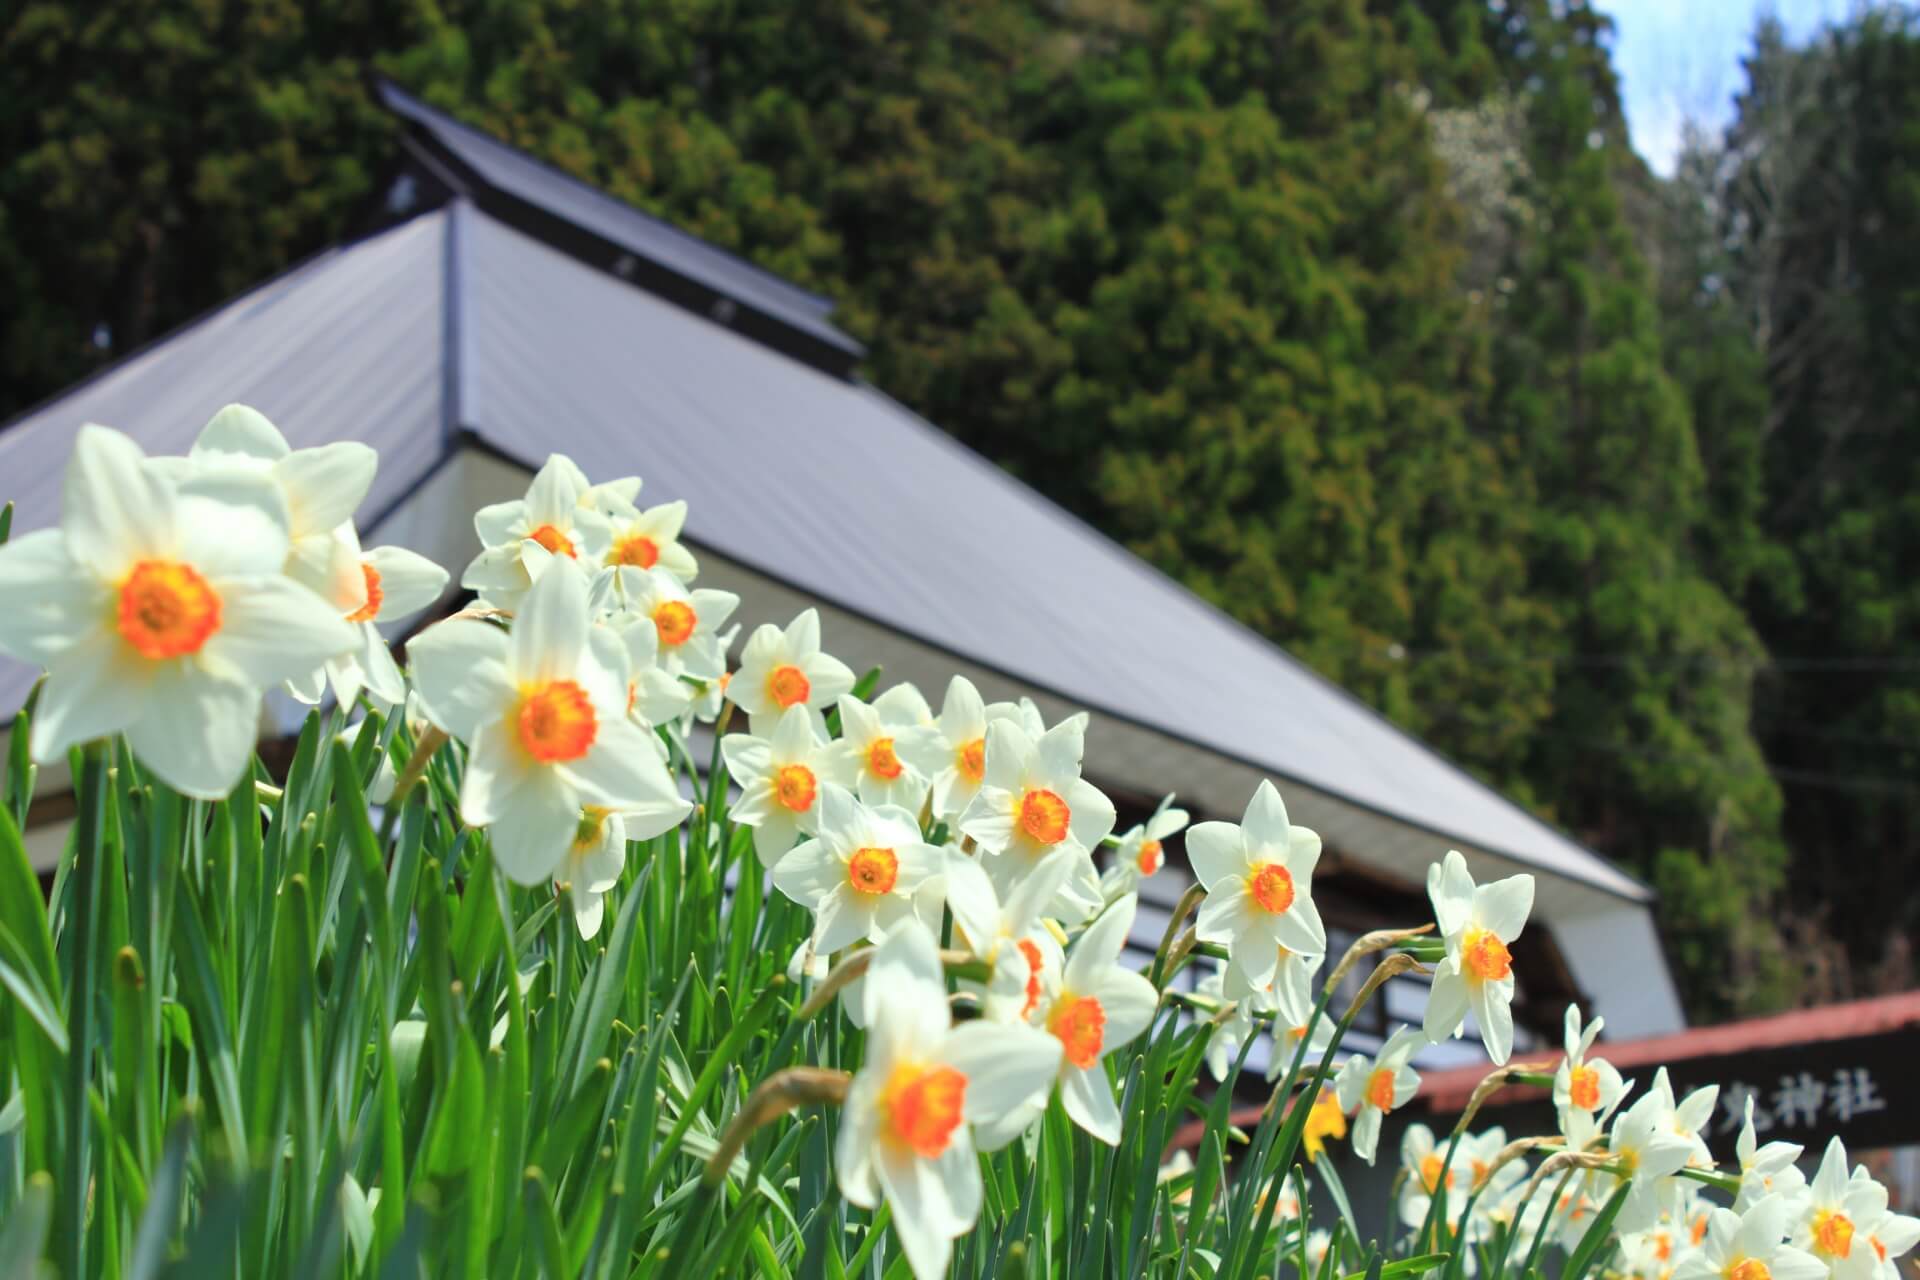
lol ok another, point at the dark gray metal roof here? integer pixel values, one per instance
(509, 182)
(813, 480)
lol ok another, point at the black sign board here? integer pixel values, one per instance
(1863, 1089)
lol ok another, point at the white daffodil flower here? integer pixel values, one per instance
(655, 697)
(1749, 1246)
(1767, 1169)
(1890, 1236)
(594, 862)
(159, 608)
(606, 497)
(1477, 1156)
(907, 1128)
(1647, 1150)
(1033, 804)
(685, 623)
(1828, 1219)
(543, 712)
(648, 539)
(709, 696)
(862, 874)
(1425, 1170)
(781, 779)
(394, 583)
(1259, 881)
(553, 516)
(1369, 1088)
(877, 748)
(1653, 1254)
(1287, 1036)
(323, 487)
(781, 668)
(1233, 1025)
(1477, 923)
(1009, 936)
(961, 747)
(1099, 1007)
(1590, 1086)
(1142, 851)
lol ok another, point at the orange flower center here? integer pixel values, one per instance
(1749, 1269)
(873, 870)
(167, 610)
(1583, 1087)
(1272, 887)
(1486, 957)
(923, 1106)
(367, 611)
(881, 762)
(971, 759)
(1833, 1233)
(1662, 1245)
(1380, 1088)
(1878, 1248)
(1149, 860)
(1079, 1024)
(788, 686)
(674, 620)
(637, 550)
(1698, 1230)
(794, 786)
(555, 721)
(555, 541)
(1043, 816)
(1031, 950)
(1430, 1171)
(1480, 1171)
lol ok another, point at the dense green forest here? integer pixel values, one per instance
(1358, 316)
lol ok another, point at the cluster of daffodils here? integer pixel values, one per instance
(177, 593)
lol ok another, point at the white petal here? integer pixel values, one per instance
(1129, 1002)
(550, 632)
(1098, 949)
(47, 602)
(535, 827)
(858, 1139)
(197, 732)
(1451, 889)
(808, 873)
(243, 431)
(94, 688)
(924, 1217)
(459, 671)
(1224, 916)
(1503, 905)
(1495, 1016)
(975, 906)
(409, 582)
(377, 668)
(1216, 851)
(622, 772)
(1266, 823)
(1090, 814)
(274, 629)
(1087, 1096)
(115, 510)
(325, 485)
(1447, 1003)
(1006, 1066)
(233, 523)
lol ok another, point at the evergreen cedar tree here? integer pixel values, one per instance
(1197, 272)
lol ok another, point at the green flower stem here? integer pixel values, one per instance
(82, 907)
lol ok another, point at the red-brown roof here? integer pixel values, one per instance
(1448, 1091)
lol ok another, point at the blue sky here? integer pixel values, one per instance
(1679, 60)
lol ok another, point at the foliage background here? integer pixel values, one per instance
(1358, 316)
